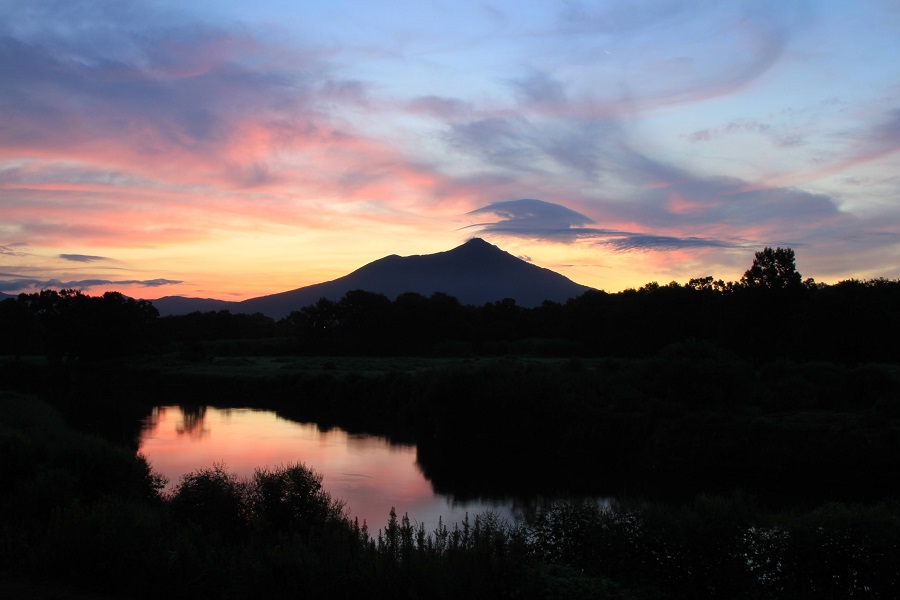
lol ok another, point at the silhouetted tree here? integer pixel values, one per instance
(503, 320)
(586, 318)
(218, 325)
(68, 323)
(364, 321)
(774, 269)
(18, 326)
(704, 284)
(315, 327)
(767, 313)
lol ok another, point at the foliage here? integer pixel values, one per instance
(69, 324)
(48, 463)
(213, 499)
(292, 498)
(773, 269)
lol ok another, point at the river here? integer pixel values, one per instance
(369, 473)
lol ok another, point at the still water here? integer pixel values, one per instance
(370, 474)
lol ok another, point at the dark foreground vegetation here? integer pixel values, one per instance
(80, 512)
(688, 419)
(785, 390)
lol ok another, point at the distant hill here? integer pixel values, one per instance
(475, 273)
(179, 305)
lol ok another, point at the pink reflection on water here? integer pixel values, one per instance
(367, 472)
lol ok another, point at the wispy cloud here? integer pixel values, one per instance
(84, 258)
(779, 136)
(546, 221)
(12, 249)
(193, 105)
(635, 241)
(20, 283)
(540, 89)
(440, 107)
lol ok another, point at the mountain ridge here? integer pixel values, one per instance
(475, 272)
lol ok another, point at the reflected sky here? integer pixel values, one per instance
(367, 472)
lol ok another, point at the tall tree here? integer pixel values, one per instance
(774, 269)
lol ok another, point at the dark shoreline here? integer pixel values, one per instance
(483, 426)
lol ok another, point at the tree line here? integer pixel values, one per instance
(70, 324)
(770, 313)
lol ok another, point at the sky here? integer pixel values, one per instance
(232, 149)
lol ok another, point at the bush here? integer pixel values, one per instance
(213, 499)
(292, 498)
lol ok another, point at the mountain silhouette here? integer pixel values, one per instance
(475, 273)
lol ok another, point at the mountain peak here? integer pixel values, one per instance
(476, 244)
(476, 272)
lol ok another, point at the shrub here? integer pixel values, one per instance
(213, 499)
(292, 498)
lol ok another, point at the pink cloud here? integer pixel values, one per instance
(678, 204)
(194, 115)
(879, 141)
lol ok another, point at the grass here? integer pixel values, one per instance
(257, 367)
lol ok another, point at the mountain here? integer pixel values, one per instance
(179, 305)
(475, 273)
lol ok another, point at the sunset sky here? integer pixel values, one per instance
(232, 149)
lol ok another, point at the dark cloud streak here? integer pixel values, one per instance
(545, 221)
(26, 283)
(84, 258)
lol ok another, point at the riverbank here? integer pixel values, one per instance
(688, 420)
(81, 514)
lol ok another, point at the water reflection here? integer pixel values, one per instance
(369, 473)
(192, 422)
